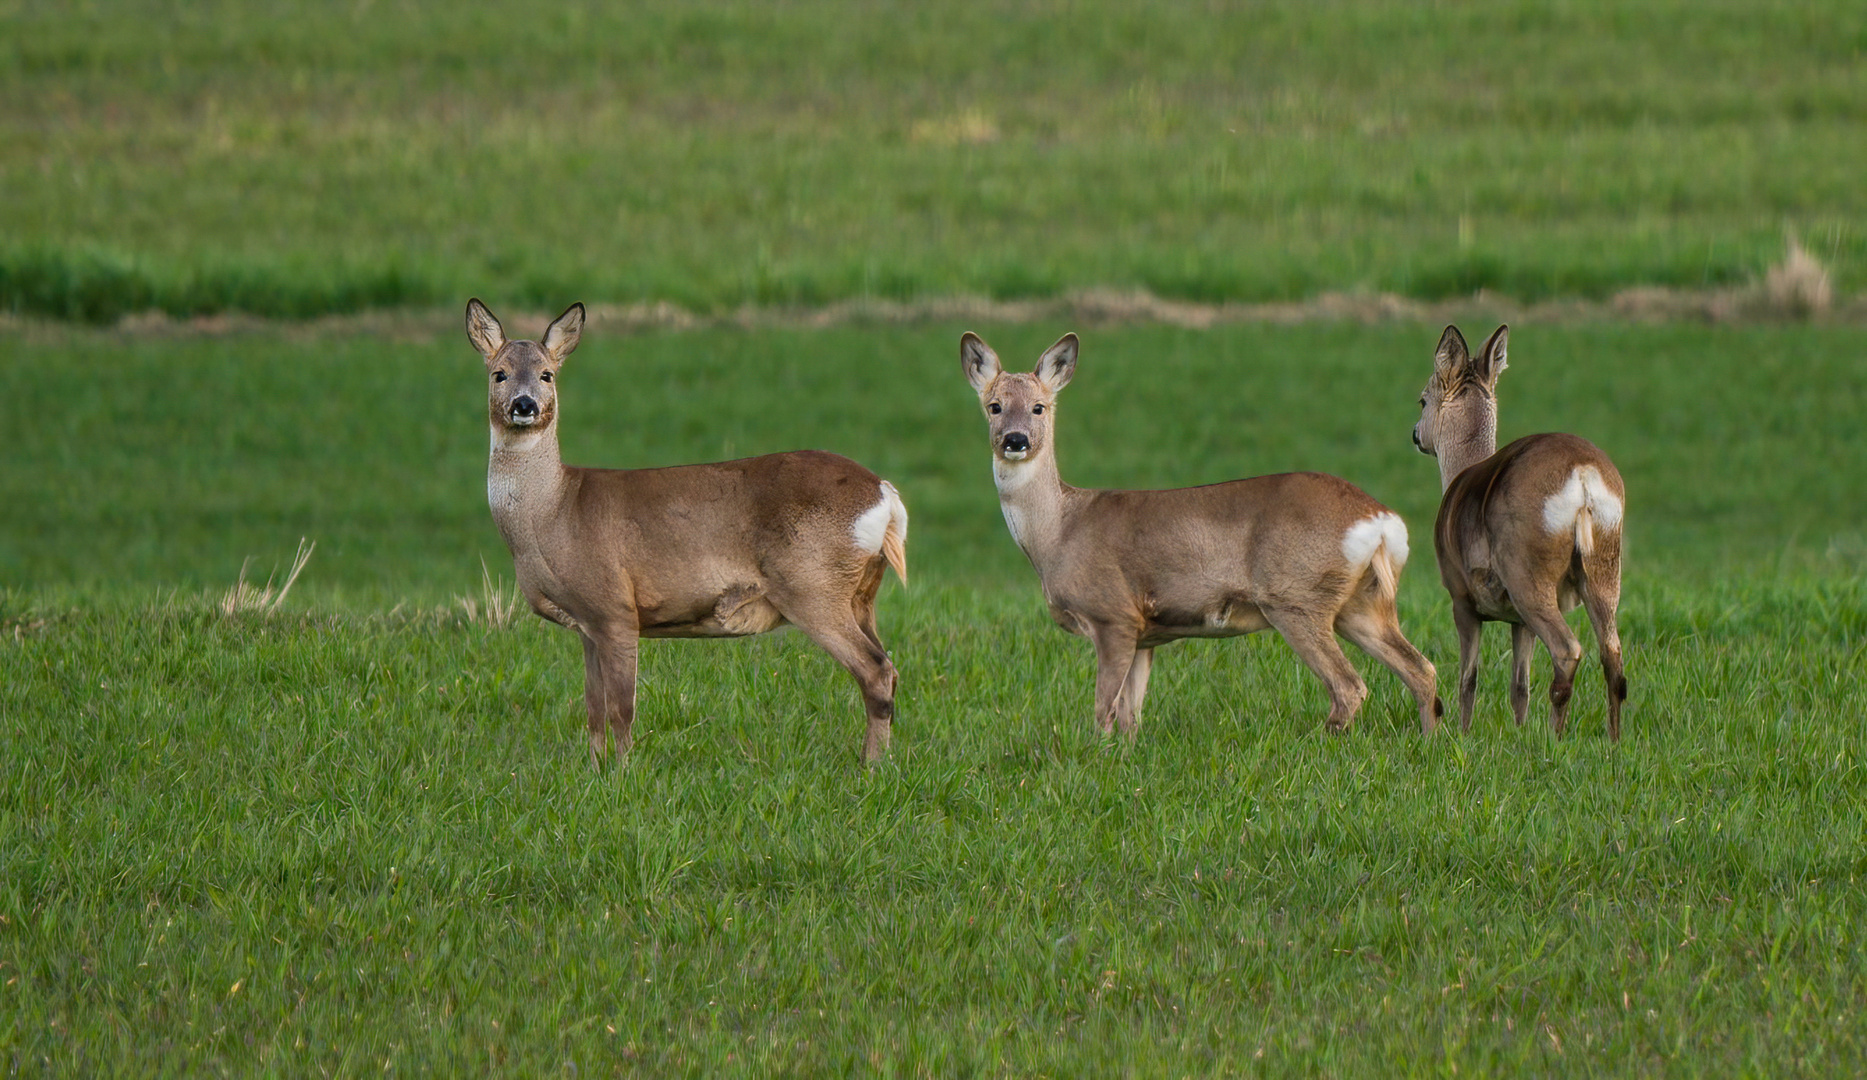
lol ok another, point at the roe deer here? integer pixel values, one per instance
(1523, 534)
(720, 550)
(1310, 555)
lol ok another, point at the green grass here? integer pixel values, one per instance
(356, 837)
(361, 835)
(348, 843)
(166, 461)
(290, 159)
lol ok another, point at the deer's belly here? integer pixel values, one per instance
(1160, 625)
(1226, 618)
(737, 612)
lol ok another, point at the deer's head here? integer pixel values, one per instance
(521, 386)
(1458, 408)
(1019, 409)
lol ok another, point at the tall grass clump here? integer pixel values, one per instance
(265, 599)
(1798, 286)
(497, 606)
(92, 284)
(80, 283)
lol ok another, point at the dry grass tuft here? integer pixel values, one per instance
(245, 597)
(967, 128)
(24, 626)
(1658, 303)
(496, 607)
(1798, 287)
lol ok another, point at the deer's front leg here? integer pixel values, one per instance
(1115, 656)
(609, 689)
(1134, 691)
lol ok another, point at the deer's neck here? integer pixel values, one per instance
(1478, 442)
(1031, 495)
(524, 480)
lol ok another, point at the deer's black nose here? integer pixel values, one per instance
(1017, 442)
(523, 405)
(1416, 438)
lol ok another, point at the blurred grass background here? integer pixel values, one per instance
(168, 460)
(293, 159)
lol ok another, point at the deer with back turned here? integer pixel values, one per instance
(1523, 534)
(716, 550)
(1306, 554)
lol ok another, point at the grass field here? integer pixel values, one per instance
(294, 159)
(360, 835)
(175, 458)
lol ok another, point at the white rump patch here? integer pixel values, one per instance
(1367, 535)
(1585, 488)
(871, 528)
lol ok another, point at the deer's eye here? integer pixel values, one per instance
(994, 409)
(1037, 410)
(546, 376)
(499, 376)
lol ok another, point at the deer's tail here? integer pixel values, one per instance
(1585, 506)
(1379, 545)
(895, 532)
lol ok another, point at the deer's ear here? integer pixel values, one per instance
(978, 360)
(1058, 364)
(1450, 358)
(1492, 357)
(562, 335)
(484, 330)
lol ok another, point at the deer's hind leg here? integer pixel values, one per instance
(1313, 640)
(1375, 627)
(1544, 619)
(1601, 595)
(863, 603)
(1522, 651)
(1470, 627)
(843, 625)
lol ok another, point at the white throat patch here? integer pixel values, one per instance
(516, 441)
(1012, 479)
(1011, 475)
